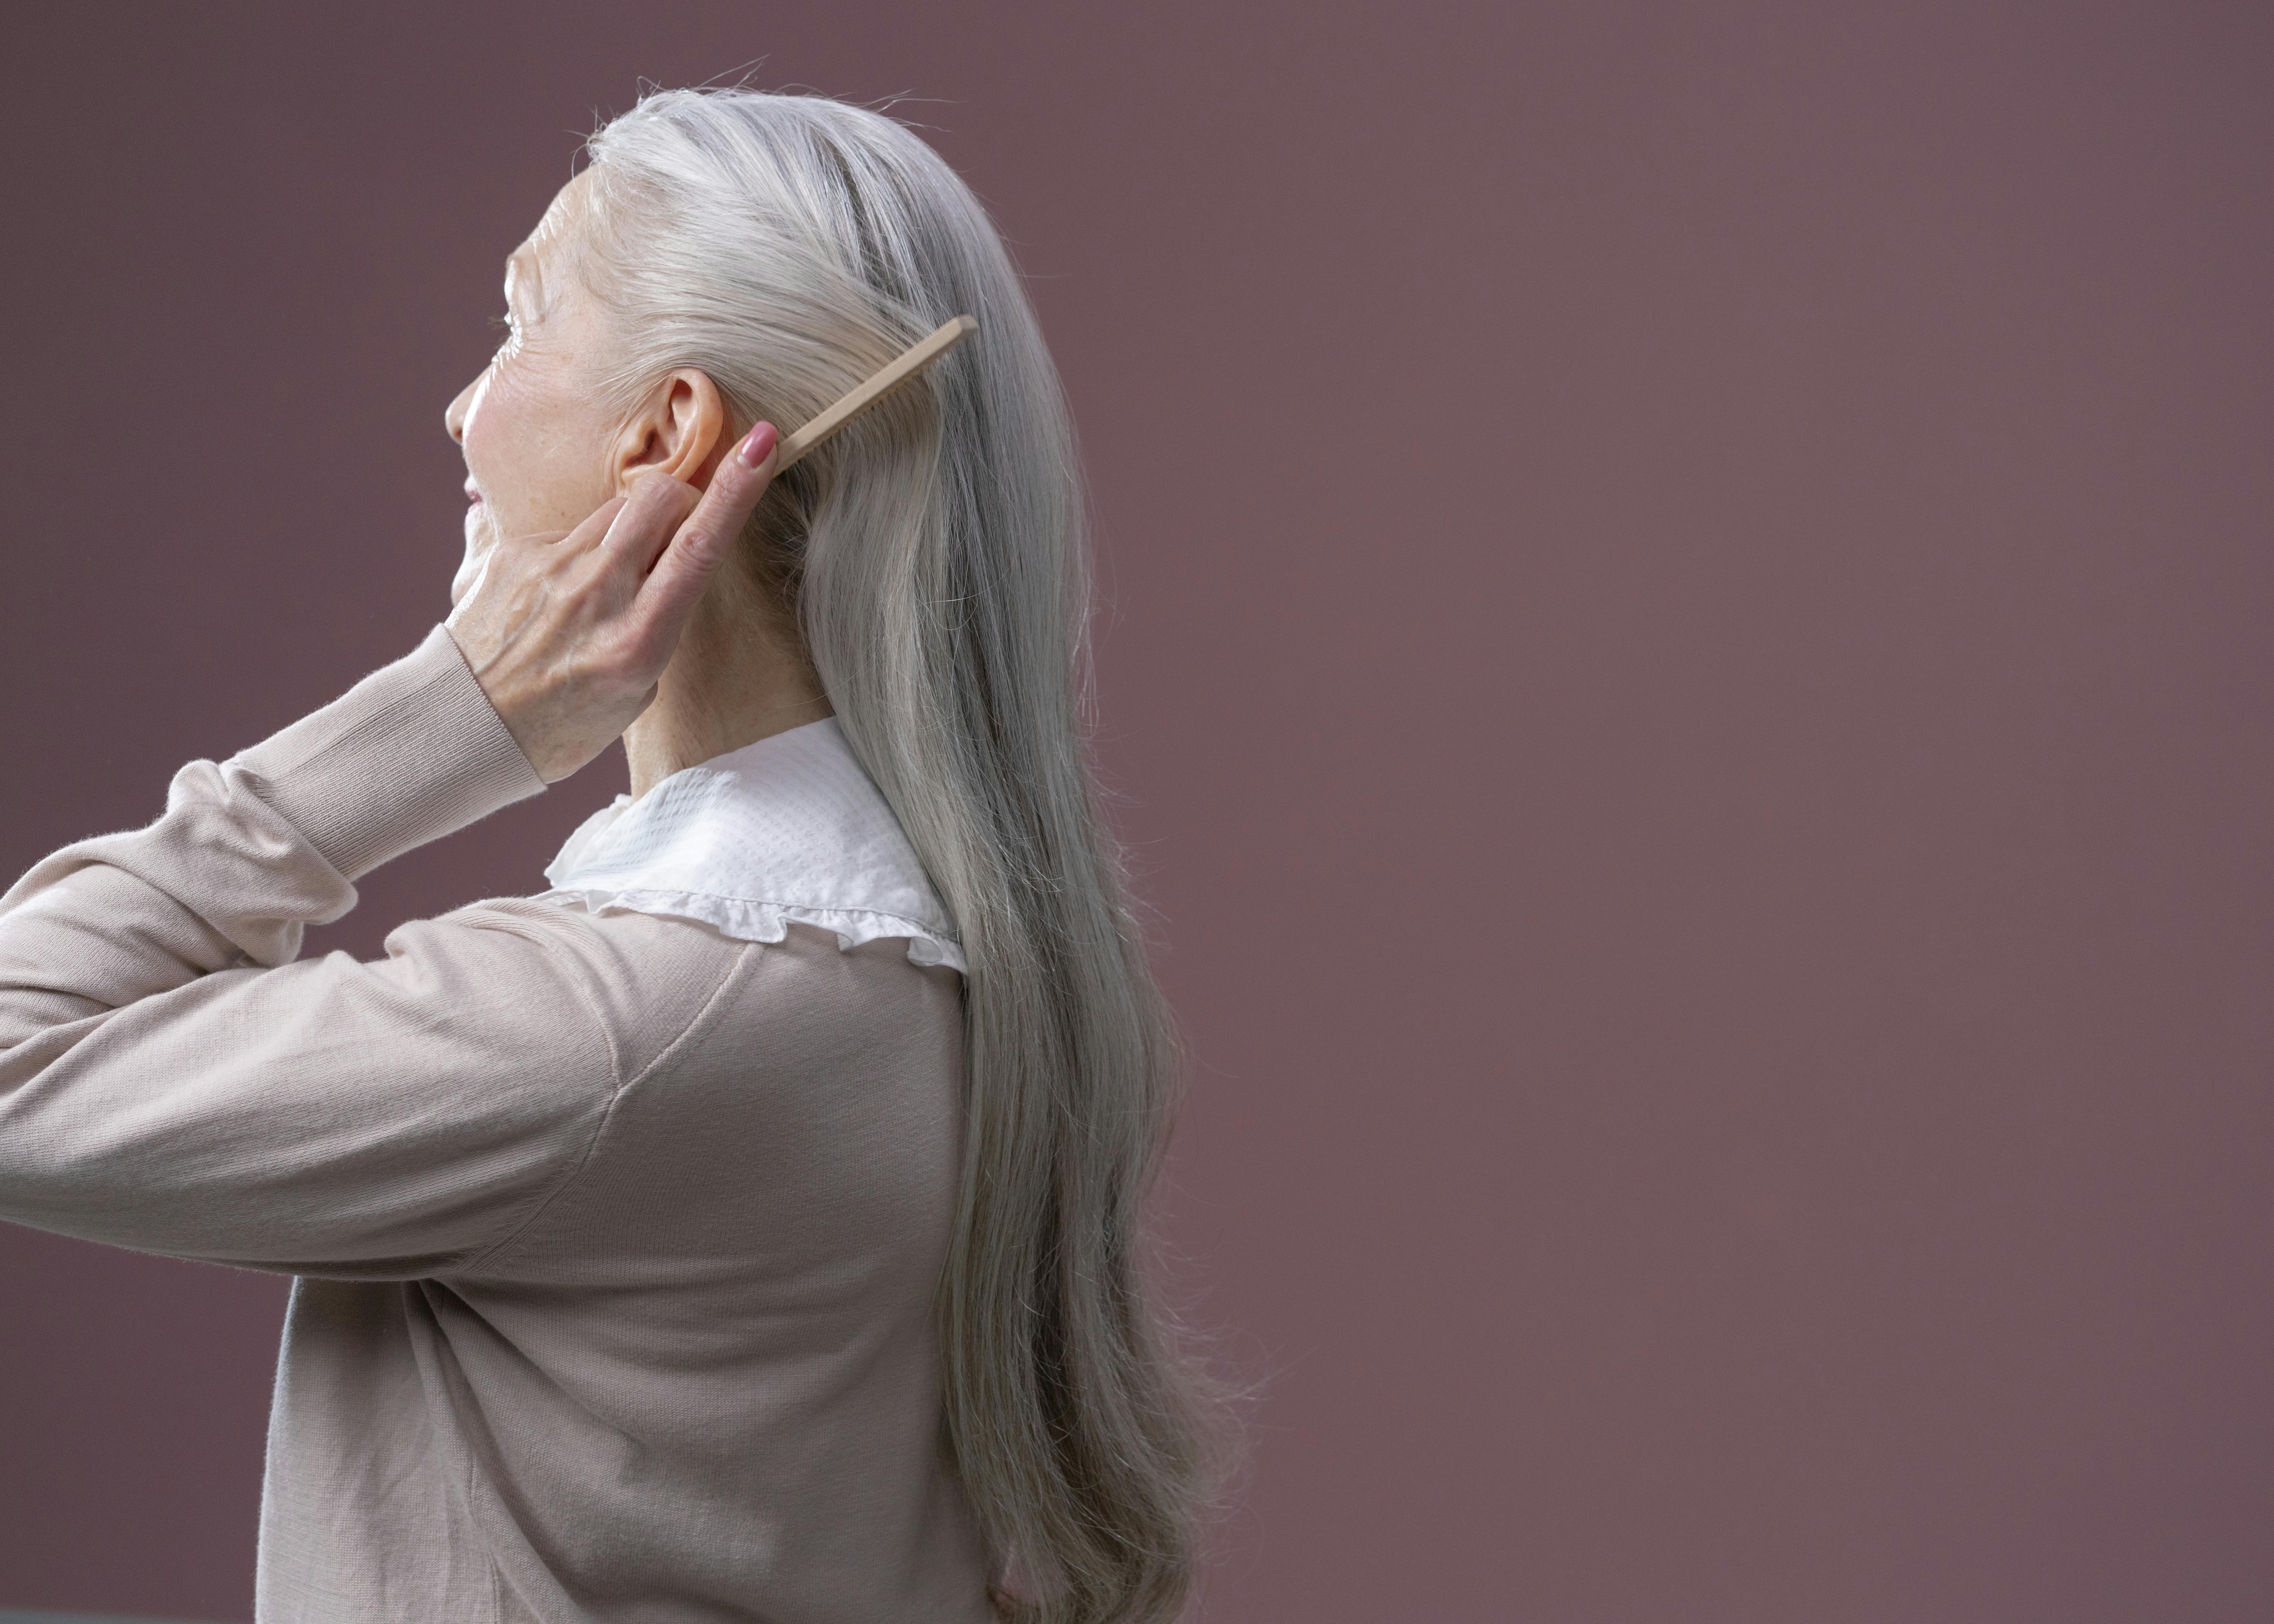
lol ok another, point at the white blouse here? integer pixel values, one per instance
(787, 831)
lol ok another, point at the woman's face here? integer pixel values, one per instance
(536, 439)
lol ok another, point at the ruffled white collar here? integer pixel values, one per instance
(787, 831)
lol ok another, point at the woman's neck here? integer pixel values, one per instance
(735, 678)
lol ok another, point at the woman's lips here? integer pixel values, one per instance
(473, 495)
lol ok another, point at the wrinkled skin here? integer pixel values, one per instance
(592, 601)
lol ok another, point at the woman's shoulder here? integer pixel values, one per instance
(798, 1092)
(675, 990)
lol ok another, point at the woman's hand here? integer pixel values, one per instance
(568, 634)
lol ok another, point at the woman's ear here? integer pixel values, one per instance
(681, 430)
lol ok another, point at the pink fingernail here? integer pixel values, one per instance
(757, 445)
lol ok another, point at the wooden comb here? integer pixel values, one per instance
(895, 372)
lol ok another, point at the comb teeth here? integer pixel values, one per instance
(888, 378)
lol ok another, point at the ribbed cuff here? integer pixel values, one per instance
(408, 755)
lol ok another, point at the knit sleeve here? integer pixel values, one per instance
(174, 1079)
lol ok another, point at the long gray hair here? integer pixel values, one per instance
(935, 554)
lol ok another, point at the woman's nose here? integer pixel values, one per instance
(454, 416)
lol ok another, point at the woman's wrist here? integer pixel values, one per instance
(412, 753)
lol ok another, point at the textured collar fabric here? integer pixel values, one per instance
(787, 831)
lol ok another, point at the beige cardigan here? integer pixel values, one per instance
(616, 1238)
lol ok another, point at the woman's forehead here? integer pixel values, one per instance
(567, 207)
(525, 267)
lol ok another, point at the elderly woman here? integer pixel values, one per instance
(748, 1226)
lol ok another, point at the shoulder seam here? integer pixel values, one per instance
(623, 1086)
(507, 924)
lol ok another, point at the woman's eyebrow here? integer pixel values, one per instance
(521, 275)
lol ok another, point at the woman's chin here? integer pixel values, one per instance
(469, 571)
(480, 538)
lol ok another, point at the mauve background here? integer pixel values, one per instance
(1689, 596)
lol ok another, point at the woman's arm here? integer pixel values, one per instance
(250, 852)
(172, 1079)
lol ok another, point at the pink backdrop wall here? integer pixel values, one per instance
(1687, 658)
